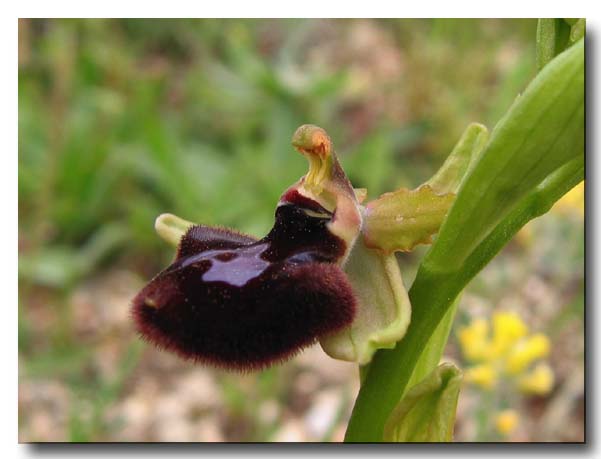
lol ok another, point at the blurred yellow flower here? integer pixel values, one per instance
(483, 375)
(572, 201)
(508, 328)
(539, 381)
(474, 340)
(509, 350)
(506, 421)
(527, 351)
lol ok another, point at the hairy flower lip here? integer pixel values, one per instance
(235, 302)
(240, 343)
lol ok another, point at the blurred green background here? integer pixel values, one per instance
(122, 120)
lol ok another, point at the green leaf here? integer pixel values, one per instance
(578, 30)
(535, 155)
(383, 312)
(552, 37)
(555, 35)
(537, 203)
(427, 412)
(542, 131)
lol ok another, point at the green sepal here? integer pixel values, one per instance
(460, 162)
(400, 220)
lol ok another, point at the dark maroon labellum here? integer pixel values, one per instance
(240, 303)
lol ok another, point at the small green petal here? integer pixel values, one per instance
(400, 220)
(171, 228)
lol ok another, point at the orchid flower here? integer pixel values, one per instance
(325, 272)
